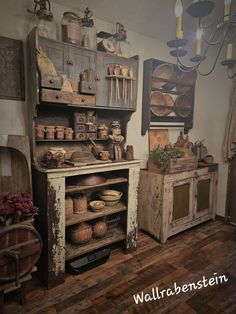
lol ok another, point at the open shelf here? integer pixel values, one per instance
(77, 188)
(112, 236)
(108, 210)
(176, 82)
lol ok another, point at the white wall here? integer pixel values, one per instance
(211, 99)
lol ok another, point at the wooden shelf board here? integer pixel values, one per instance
(74, 140)
(77, 188)
(160, 79)
(108, 210)
(113, 235)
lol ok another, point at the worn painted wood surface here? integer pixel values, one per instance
(158, 206)
(109, 288)
(52, 217)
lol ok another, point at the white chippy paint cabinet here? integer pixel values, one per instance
(171, 203)
(49, 195)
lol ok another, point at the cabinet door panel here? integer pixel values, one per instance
(181, 201)
(203, 192)
(57, 52)
(79, 60)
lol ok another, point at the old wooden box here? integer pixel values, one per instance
(176, 165)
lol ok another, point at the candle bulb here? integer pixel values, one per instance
(178, 14)
(229, 52)
(227, 10)
(199, 41)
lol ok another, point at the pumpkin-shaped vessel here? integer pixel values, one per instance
(100, 229)
(81, 233)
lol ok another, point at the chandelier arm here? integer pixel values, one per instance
(214, 43)
(214, 65)
(231, 76)
(232, 36)
(186, 68)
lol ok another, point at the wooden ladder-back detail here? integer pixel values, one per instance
(20, 249)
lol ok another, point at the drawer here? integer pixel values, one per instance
(83, 100)
(91, 119)
(92, 136)
(91, 128)
(81, 136)
(48, 95)
(80, 118)
(80, 128)
(50, 81)
(87, 87)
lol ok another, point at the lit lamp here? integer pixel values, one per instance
(178, 14)
(227, 10)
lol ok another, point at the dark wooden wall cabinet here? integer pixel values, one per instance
(168, 96)
(108, 96)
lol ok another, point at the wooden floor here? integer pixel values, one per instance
(109, 288)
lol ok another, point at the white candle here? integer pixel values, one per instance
(227, 10)
(178, 14)
(229, 52)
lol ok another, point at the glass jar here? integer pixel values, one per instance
(88, 31)
(122, 48)
(89, 37)
(47, 28)
(71, 28)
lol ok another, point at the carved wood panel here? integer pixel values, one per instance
(11, 69)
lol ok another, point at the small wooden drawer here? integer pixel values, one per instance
(87, 88)
(80, 128)
(92, 136)
(91, 128)
(50, 81)
(91, 119)
(80, 118)
(81, 136)
(55, 96)
(87, 100)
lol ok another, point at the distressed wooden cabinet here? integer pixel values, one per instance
(50, 189)
(171, 203)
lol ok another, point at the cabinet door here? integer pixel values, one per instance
(181, 204)
(204, 195)
(57, 52)
(79, 60)
(112, 91)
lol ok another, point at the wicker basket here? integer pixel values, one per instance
(178, 165)
(81, 233)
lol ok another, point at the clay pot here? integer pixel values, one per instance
(68, 134)
(129, 153)
(50, 132)
(55, 157)
(100, 229)
(59, 133)
(68, 207)
(104, 155)
(39, 132)
(81, 233)
(80, 203)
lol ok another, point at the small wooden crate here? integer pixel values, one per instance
(178, 165)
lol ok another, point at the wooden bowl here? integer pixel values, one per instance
(170, 103)
(82, 156)
(91, 180)
(183, 106)
(110, 197)
(158, 98)
(186, 78)
(97, 205)
(165, 71)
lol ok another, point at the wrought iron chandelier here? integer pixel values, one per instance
(224, 33)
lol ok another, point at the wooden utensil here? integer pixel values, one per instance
(111, 72)
(124, 72)
(131, 75)
(117, 72)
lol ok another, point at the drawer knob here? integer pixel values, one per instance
(51, 81)
(69, 62)
(58, 96)
(90, 87)
(83, 99)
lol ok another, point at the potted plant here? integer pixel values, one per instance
(17, 208)
(160, 158)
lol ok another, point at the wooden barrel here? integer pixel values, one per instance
(20, 249)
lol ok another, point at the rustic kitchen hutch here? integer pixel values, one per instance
(50, 105)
